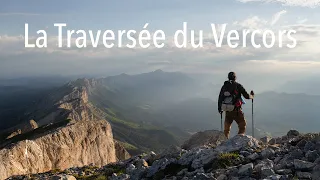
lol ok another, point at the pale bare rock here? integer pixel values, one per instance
(68, 102)
(76, 145)
(74, 105)
(63, 177)
(121, 152)
(30, 126)
(208, 138)
(26, 127)
(17, 132)
(239, 142)
(33, 124)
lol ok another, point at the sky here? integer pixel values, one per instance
(276, 65)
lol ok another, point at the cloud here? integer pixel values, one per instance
(277, 16)
(19, 61)
(302, 21)
(19, 14)
(302, 3)
(297, 66)
(253, 22)
(308, 31)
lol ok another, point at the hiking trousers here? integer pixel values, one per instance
(237, 116)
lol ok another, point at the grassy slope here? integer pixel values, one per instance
(139, 137)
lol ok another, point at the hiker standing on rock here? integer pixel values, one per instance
(230, 101)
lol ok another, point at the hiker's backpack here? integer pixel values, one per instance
(231, 98)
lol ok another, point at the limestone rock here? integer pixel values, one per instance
(30, 126)
(303, 165)
(284, 171)
(203, 176)
(151, 157)
(74, 106)
(159, 165)
(208, 138)
(303, 175)
(121, 152)
(266, 172)
(245, 153)
(302, 143)
(309, 146)
(293, 133)
(136, 172)
(198, 157)
(24, 128)
(267, 153)
(187, 158)
(266, 164)
(120, 177)
(74, 145)
(170, 152)
(312, 156)
(141, 163)
(275, 141)
(63, 177)
(316, 172)
(237, 143)
(17, 132)
(205, 157)
(276, 177)
(253, 157)
(33, 124)
(239, 158)
(246, 170)
(265, 139)
(222, 177)
(296, 154)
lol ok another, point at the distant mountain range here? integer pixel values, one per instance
(304, 86)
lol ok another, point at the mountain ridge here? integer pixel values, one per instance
(75, 101)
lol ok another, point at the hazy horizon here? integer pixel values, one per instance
(254, 83)
(262, 69)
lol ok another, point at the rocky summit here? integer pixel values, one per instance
(294, 156)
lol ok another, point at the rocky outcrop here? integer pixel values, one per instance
(208, 138)
(295, 156)
(237, 143)
(121, 152)
(75, 145)
(33, 125)
(63, 177)
(73, 105)
(14, 133)
(26, 127)
(67, 102)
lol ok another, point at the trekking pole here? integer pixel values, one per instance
(221, 122)
(252, 121)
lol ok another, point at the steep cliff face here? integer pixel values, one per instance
(75, 145)
(73, 105)
(67, 102)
